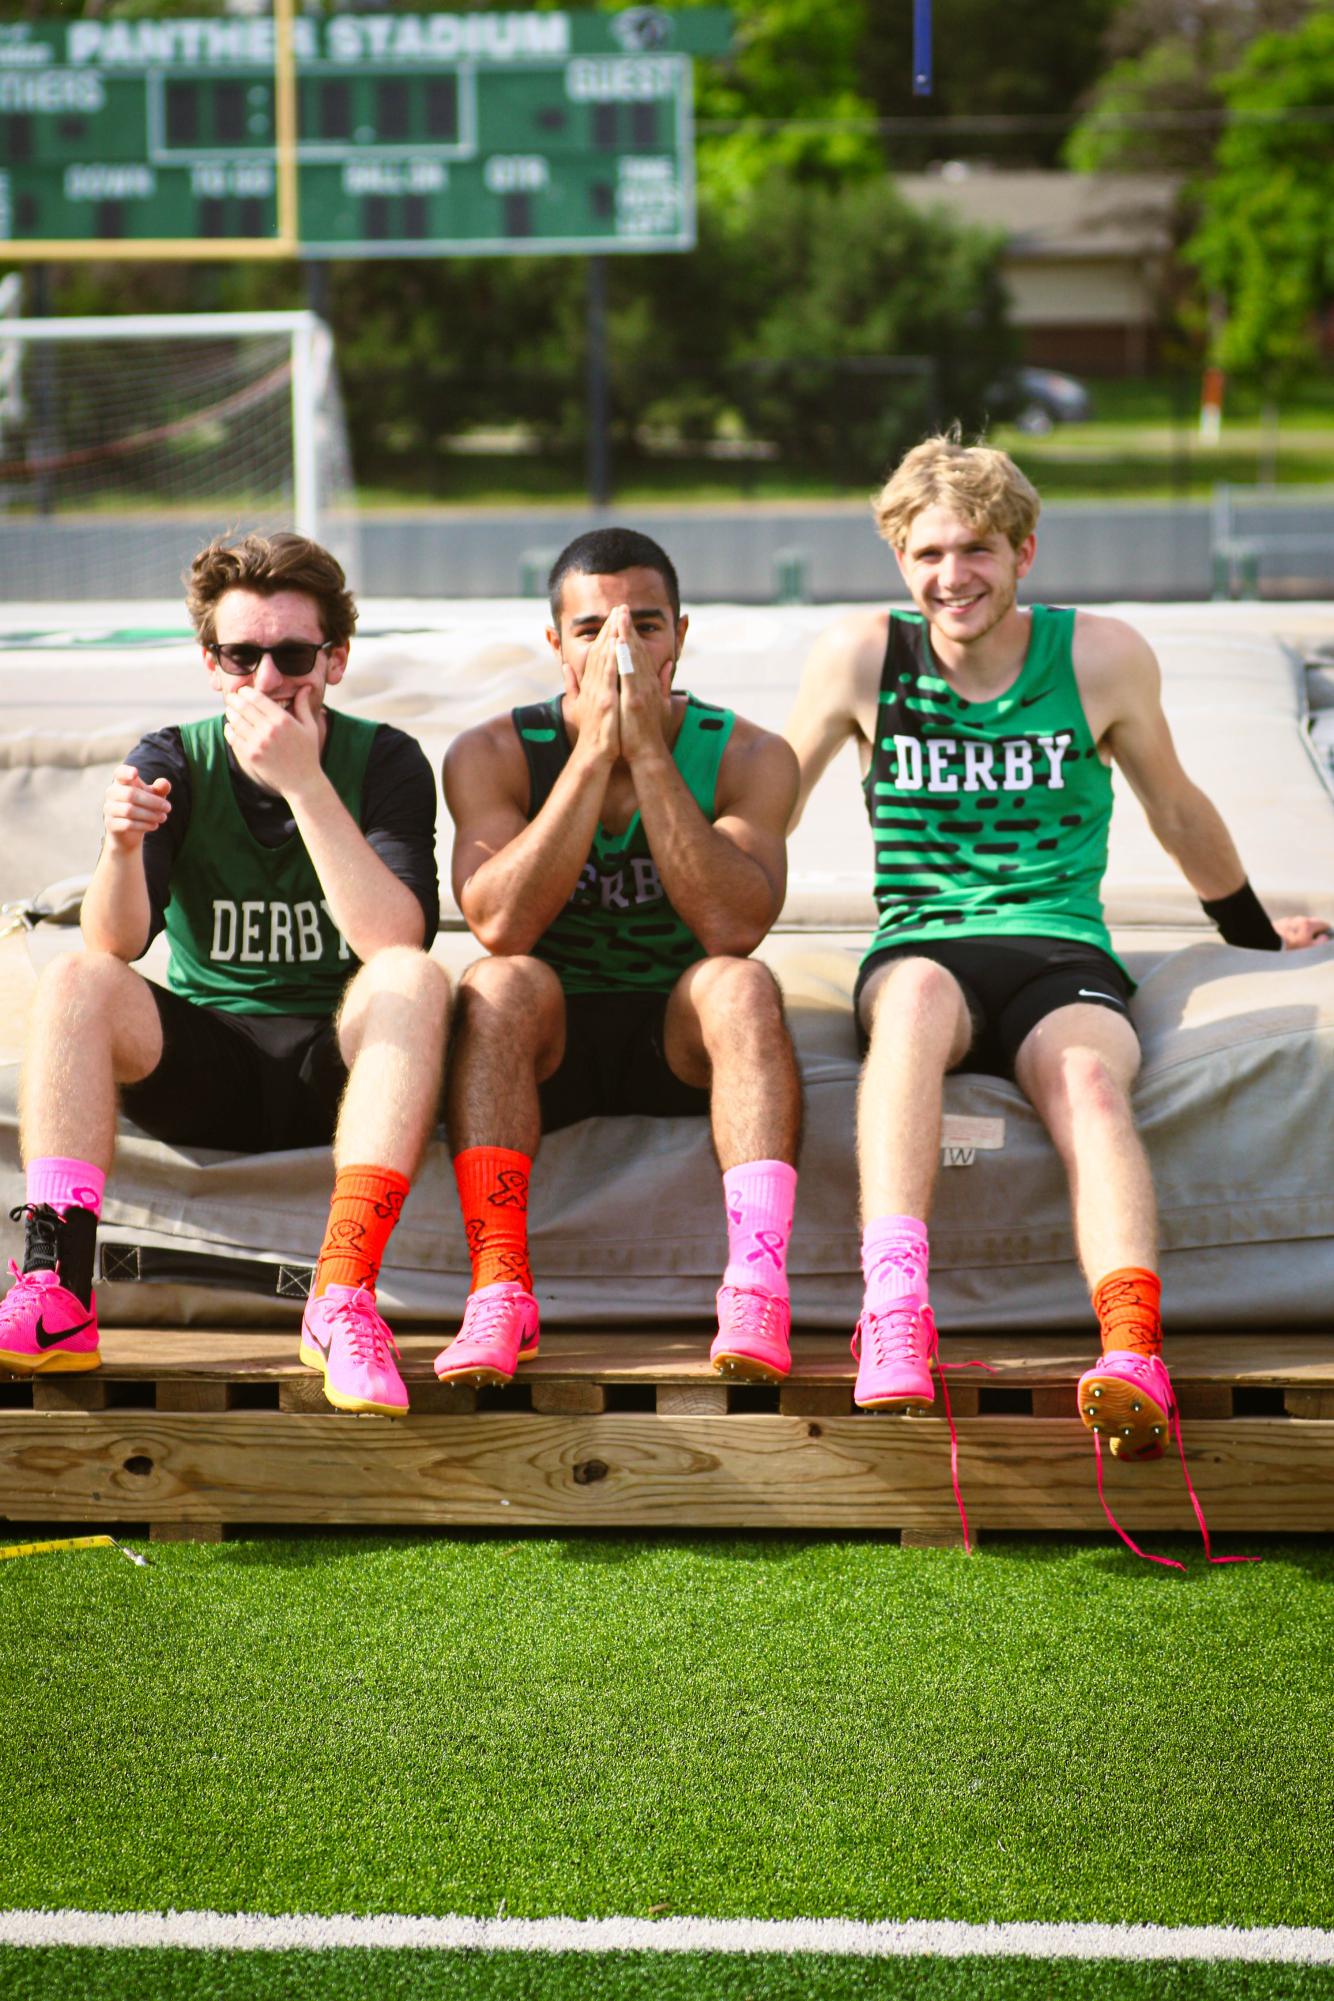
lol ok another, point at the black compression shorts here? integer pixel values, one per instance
(1010, 985)
(614, 1064)
(243, 1083)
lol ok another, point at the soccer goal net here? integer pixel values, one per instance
(127, 443)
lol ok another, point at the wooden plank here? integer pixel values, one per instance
(1309, 1403)
(186, 1532)
(174, 1394)
(943, 1537)
(86, 1391)
(815, 1399)
(634, 1469)
(692, 1399)
(1203, 1399)
(1280, 1359)
(568, 1399)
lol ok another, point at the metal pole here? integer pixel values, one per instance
(46, 437)
(307, 344)
(599, 440)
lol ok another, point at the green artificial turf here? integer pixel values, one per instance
(722, 1727)
(449, 1976)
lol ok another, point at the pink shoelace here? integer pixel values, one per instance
(368, 1338)
(1167, 1562)
(483, 1320)
(12, 1303)
(756, 1311)
(890, 1340)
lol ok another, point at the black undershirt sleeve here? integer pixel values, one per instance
(161, 754)
(397, 815)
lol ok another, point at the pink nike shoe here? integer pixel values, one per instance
(751, 1344)
(343, 1334)
(895, 1349)
(44, 1328)
(1126, 1398)
(500, 1330)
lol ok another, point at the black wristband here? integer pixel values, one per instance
(1243, 920)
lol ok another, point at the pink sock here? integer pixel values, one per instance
(57, 1183)
(761, 1196)
(895, 1255)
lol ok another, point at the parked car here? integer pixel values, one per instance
(1037, 399)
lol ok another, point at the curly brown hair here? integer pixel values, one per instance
(269, 564)
(983, 486)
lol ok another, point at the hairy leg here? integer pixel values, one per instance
(725, 1032)
(94, 1026)
(920, 1027)
(509, 1035)
(391, 1032)
(1077, 1067)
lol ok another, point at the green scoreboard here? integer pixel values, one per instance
(350, 135)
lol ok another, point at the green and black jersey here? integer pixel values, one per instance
(618, 931)
(989, 818)
(248, 926)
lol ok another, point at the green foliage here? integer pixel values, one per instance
(1159, 106)
(1264, 245)
(868, 322)
(1130, 128)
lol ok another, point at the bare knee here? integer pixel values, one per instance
(1080, 1085)
(727, 990)
(916, 999)
(93, 984)
(405, 973)
(518, 997)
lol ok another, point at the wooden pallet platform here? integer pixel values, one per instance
(197, 1431)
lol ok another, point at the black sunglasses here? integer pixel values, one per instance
(292, 657)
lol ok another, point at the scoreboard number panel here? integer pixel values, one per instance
(413, 134)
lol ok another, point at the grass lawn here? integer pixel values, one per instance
(725, 1727)
(414, 1976)
(761, 1727)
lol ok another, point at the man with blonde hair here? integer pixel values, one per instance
(987, 732)
(288, 850)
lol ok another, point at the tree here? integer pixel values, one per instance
(1264, 245)
(1159, 107)
(864, 322)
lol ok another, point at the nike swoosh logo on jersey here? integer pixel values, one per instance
(45, 1337)
(1087, 993)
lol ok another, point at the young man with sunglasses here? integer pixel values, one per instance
(289, 853)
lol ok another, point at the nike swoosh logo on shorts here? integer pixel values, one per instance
(1087, 993)
(44, 1337)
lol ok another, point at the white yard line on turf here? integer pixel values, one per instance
(221, 1931)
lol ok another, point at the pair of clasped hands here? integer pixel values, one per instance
(620, 698)
(275, 743)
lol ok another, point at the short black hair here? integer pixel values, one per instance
(605, 552)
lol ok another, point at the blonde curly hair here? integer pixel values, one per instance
(983, 486)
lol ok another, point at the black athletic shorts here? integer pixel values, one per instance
(243, 1083)
(614, 1064)
(1010, 984)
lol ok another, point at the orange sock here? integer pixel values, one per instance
(493, 1193)
(1128, 1305)
(367, 1202)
